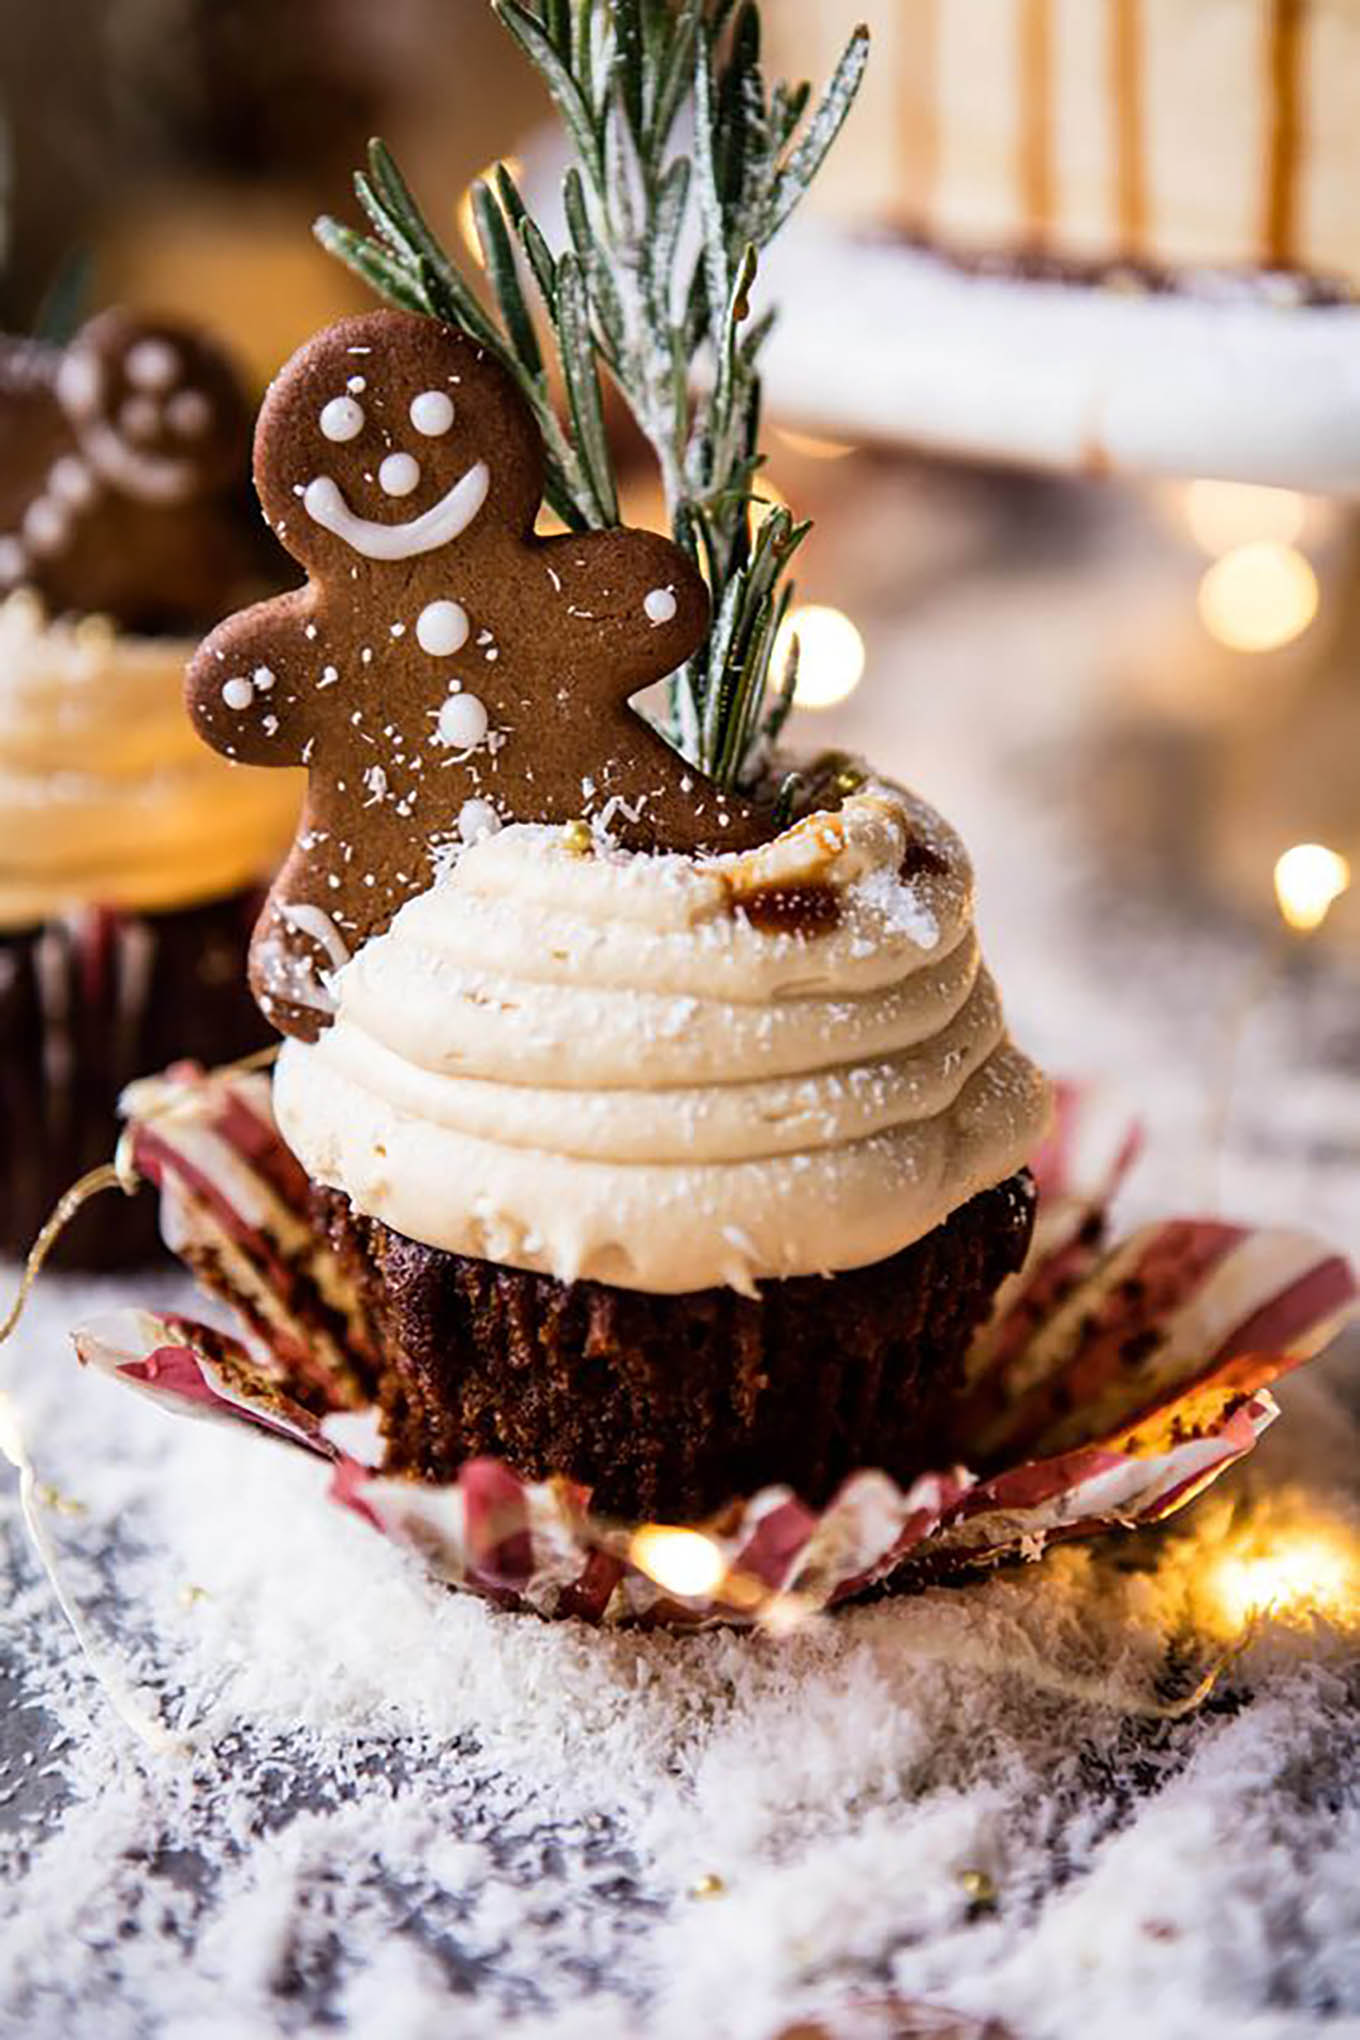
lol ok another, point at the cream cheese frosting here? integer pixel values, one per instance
(670, 1074)
(106, 795)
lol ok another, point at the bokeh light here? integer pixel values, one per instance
(684, 1562)
(831, 654)
(1259, 596)
(1309, 879)
(1300, 1572)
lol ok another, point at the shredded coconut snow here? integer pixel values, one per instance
(381, 1798)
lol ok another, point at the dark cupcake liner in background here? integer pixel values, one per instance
(668, 1406)
(87, 1003)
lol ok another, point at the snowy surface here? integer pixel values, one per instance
(294, 1784)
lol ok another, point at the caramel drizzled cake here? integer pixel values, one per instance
(1161, 136)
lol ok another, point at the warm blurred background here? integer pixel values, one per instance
(174, 152)
(1135, 693)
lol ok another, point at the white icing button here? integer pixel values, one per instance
(463, 722)
(45, 525)
(660, 605)
(342, 419)
(152, 364)
(140, 418)
(432, 413)
(477, 818)
(72, 482)
(238, 693)
(399, 474)
(189, 413)
(442, 629)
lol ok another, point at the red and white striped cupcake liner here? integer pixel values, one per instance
(1112, 1385)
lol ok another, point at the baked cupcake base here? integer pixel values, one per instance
(669, 1406)
(87, 1003)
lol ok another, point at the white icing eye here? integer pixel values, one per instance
(80, 383)
(238, 693)
(152, 364)
(660, 605)
(72, 482)
(45, 526)
(342, 419)
(432, 413)
(463, 722)
(140, 418)
(399, 474)
(442, 629)
(189, 413)
(477, 818)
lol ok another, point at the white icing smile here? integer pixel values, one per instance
(447, 519)
(139, 474)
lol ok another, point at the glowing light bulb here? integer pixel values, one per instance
(1258, 596)
(1299, 1572)
(684, 1562)
(831, 655)
(467, 217)
(1223, 515)
(811, 447)
(1309, 880)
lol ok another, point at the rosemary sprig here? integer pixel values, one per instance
(686, 168)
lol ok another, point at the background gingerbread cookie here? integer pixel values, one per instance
(124, 465)
(444, 670)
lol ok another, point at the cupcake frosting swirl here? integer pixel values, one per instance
(667, 1074)
(106, 795)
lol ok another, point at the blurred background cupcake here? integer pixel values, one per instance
(129, 863)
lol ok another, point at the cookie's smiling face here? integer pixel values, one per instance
(155, 411)
(375, 459)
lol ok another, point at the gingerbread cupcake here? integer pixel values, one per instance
(131, 863)
(675, 1141)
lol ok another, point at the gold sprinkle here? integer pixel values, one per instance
(190, 1596)
(576, 837)
(64, 1505)
(979, 1888)
(848, 780)
(710, 1885)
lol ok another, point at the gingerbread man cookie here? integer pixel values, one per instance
(444, 670)
(124, 462)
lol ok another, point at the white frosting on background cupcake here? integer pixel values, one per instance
(106, 795)
(667, 1074)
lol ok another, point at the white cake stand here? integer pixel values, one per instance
(877, 341)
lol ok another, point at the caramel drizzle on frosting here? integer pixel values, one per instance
(1130, 169)
(1036, 118)
(1284, 96)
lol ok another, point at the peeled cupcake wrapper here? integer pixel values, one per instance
(1110, 1387)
